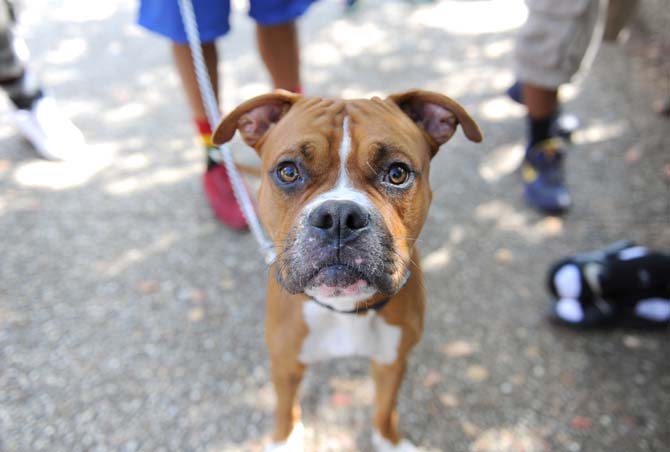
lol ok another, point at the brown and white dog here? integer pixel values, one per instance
(344, 194)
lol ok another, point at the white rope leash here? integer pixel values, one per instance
(213, 115)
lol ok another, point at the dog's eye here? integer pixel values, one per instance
(288, 172)
(397, 174)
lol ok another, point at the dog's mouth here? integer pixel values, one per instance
(338, 280)
(336, 275)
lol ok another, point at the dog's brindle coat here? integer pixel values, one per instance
(344, 194)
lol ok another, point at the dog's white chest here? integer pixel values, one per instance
(335, 335)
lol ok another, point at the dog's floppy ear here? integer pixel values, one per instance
(254, 117)
(437, 115)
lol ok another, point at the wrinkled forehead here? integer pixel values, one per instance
(381, 119)
(317, 123)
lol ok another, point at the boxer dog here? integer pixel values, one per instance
(344, 194)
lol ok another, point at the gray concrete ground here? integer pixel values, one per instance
(131, 320)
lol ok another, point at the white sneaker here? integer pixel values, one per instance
(53, 135)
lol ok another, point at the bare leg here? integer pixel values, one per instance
(278, 47)
(286, 380)
(215, 180)
(184, 63)
(387, 384)
(541, 102)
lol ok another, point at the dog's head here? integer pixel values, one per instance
(344, 190)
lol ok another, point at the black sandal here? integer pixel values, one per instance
(623, 284)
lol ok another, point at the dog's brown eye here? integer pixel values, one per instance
(398, 174)
(288, 172)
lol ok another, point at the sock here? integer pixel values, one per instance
(23, 90)
(205, 134)
(540, 129)
(204, 131)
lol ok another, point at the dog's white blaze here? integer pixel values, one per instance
(336, 335)
(343, 190)
(345, 149)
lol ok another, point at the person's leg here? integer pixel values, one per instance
(551, 46)
(542, 106)
(278, 47)
(36, 115)
(540, 102)
(21, 88)
(277, 37)
(11, 67)
(215, 180)
(183, 61)
(164, 18)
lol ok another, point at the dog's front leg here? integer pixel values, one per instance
(286, 378)
(388, 378)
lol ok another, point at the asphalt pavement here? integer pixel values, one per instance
(130, 320)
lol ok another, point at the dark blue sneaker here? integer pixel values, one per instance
(543, 175)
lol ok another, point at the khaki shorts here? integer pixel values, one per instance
(558, 38)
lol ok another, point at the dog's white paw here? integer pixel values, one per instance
(381, 444)
(294, 442)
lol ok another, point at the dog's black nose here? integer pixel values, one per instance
(339, 220)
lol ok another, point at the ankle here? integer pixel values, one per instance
(23, 90)
(205, 136)
(541, 128)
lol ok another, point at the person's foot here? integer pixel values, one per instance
(219, 192)
(52, 135)
(543, 175)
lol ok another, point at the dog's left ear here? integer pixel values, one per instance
(437, 115)
(255, 117)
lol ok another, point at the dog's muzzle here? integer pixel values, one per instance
(340, 248)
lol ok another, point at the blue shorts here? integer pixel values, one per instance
(163, 16)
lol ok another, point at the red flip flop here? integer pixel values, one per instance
(219, 191)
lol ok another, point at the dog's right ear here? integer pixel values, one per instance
(255, 117)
